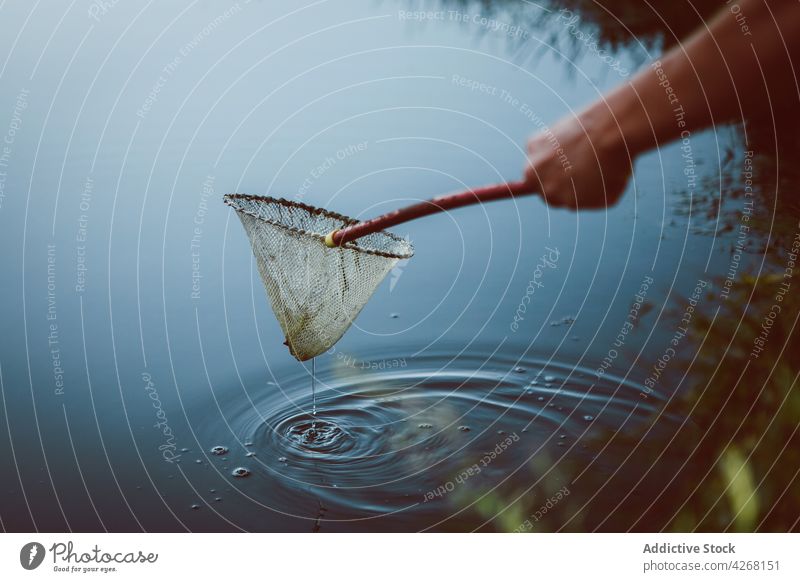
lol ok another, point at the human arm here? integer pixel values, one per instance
(720, 73)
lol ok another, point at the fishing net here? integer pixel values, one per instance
(316, 292)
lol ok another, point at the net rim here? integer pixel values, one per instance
(313, 210)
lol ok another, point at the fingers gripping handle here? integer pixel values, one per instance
(438, 204)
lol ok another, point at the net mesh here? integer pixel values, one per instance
(316, 292)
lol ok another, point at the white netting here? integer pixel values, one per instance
(316, 292)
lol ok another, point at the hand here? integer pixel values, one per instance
(581, 163)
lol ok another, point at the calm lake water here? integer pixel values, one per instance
(137, 336)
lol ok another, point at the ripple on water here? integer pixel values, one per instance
(381, 439)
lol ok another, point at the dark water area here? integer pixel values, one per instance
(529, 369)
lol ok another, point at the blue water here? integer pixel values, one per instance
(137, 335)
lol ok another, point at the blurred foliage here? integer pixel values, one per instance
(749, 410)
(617, 25)
(734, 465)
(715, 207)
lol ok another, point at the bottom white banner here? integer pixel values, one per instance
(399, 556)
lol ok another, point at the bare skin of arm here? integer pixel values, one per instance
(715, 76)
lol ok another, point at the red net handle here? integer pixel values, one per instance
(432, 206)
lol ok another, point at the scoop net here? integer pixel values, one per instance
(316, 292)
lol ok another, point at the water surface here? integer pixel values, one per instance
(137, 335)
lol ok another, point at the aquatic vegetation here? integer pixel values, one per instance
(750, 406)
(733, 465)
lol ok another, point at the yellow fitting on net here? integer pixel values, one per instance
(329, 239)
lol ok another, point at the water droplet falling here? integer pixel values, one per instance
(313, 393)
